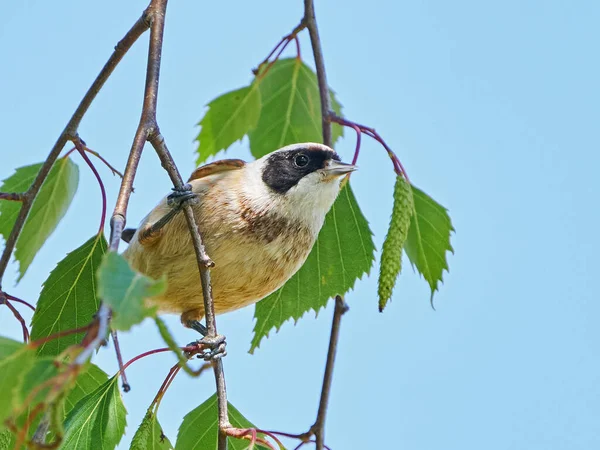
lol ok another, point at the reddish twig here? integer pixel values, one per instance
(18, 316)
(18, 300)
(143, 355)
(12, 196)
(124, 383)
(398, 167)
(41, 341)
(298, 53)
(97, 155)
(80, 146)
(278, 50)
(252, 435)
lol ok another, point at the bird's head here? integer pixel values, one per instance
(302, 180)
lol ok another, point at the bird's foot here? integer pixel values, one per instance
(179, 196)
(215, 347)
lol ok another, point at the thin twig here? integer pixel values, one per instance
(311, 24)
(99, 156)
(18, 300)
(70, 131)
(12, 196)
(319, 427)
(204, 263)
(398, 167)
(80, 146)
(124, 383)
(279, 48)
(18, 316)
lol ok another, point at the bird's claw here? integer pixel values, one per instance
(215, 347)
(180, 196)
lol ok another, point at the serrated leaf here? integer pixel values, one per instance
(429, 238)
(228, 119)
(97, 422)
(48, 209)
(69, 299)
(200, 428)
(291, 108)
(343, 253)
(90, 379)
(149, 435)
(15, 361)
(126, 290)
(391, 254)
(40, 371)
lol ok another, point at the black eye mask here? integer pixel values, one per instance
(283, 170)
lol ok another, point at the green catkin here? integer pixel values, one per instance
(391, 255)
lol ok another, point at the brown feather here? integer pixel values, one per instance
(216, 167)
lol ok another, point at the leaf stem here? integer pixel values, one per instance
(279, 48)
(58, 335)
(99, 156)
(80, 146)
(18, 300)
(4, 299)
(398, 167)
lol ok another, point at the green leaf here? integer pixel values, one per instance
(48, 209)
(391, 255)
(42, 370)
(90, 379)
(429, 238)
(125, 291)
(98, 420)
(69, 299)
(87, 381)
(15, 360)
(343, 253)
(7, 441)
(149, 435)
(228, 119)
(200, 428)
(291, 108)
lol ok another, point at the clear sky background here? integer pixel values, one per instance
(492, 108)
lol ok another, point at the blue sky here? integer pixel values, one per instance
(492, 108)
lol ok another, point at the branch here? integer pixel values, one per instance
(69, 132)
(148, 130)
(204, 263)
(319, 427)
(311, 23)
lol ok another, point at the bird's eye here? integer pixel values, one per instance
(301, 160)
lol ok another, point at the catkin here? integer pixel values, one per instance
(391, 255)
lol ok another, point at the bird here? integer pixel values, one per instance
(258, 220)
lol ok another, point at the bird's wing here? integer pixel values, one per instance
(201, 179)
(216, 167)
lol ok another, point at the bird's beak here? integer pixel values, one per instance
(337, 168)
